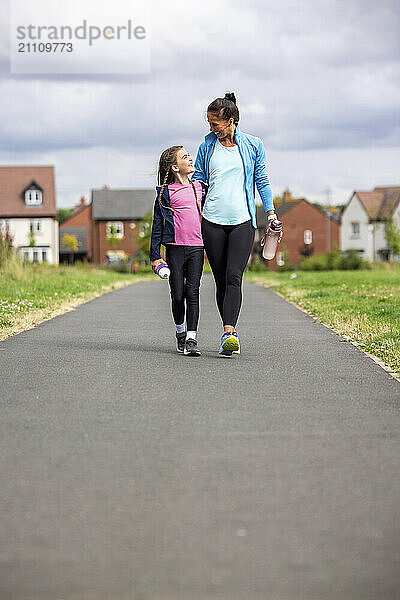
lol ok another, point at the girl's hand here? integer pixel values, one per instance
(155, 263)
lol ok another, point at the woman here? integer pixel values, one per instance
(231, 163)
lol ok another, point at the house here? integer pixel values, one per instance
(117, 214)
(107, 229)
(364, 218)
(28, 211)
(82, 246)
(79, 224)
(308, 230)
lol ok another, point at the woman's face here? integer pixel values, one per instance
(218, 126)
(184, 162)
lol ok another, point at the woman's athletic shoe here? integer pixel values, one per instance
(229, 344)
(191, 348)
(237, 337)
(180, 342)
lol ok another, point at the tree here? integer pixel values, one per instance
(63, 214)
(392, 236)
(144, 238)
(31, 238)
(72, 243)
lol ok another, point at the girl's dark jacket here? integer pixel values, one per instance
(163, 230)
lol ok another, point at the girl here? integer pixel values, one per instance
(232, 163)
(177, 225)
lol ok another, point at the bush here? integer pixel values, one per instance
(121, 266)
(258, 264)
(126, 266)
(6, 249)
(11, 264)
(350, 260)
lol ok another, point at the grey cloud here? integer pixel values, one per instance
(309, 75)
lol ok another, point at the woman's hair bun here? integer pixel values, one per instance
(230, 96)
(225, 107)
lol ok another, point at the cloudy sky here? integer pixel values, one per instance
(316, 80)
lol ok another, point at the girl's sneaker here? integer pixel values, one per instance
(229, 344)
(180, 342)
(191, 348)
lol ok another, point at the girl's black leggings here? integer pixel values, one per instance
(186, 265)
(228, 249)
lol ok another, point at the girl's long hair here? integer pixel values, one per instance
(165, 173)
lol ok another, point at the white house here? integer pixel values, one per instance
(28, 211)
(363, 221)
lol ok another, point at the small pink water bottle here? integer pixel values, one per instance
(271, 239)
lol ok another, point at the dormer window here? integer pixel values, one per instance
(33, 195)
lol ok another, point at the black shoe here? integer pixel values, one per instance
(191, 348)
(180, 341)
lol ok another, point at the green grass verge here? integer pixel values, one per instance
(45, 288)
(364, 306)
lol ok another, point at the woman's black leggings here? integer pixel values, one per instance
(228, 249)
(186, 265)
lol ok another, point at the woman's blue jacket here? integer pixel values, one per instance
(252, 152)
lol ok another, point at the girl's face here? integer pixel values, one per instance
(184, 163)
(218, 126)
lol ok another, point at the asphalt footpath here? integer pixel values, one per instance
(130, 472)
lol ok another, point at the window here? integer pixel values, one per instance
(35, 255)
(355, 229)
(115, 256)
(33, 197)
(280, 259)
(4, 226)
(35, 226)
(115, 229)
(308, 236)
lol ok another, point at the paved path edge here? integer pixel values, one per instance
(376, 359)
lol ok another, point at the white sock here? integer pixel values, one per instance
(180, 328)
(191, 335)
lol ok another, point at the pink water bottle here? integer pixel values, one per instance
(270, 241)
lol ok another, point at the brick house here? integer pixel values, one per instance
(28, 211)
(122, 210)
(364, 218)
(118, 212)
(78, 224)
(307, 231)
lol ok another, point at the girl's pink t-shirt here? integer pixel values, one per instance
(187, 220)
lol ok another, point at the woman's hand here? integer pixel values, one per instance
(272, 216)
(155, 263)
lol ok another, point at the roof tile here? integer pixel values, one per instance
(13, 181)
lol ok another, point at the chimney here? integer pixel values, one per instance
(105, 187)
(287, 195)
(78, 206)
